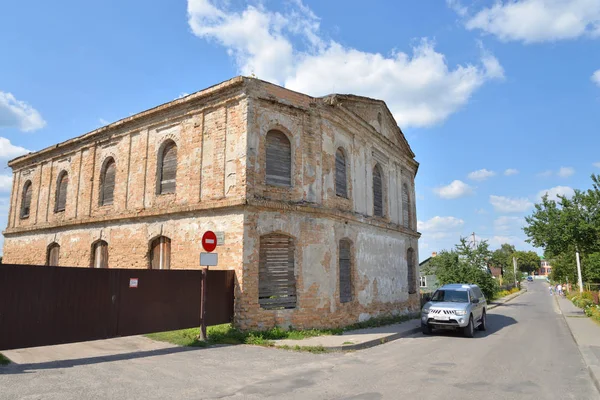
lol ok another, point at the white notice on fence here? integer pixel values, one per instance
(208, 259)
(133, 282)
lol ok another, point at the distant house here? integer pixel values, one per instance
(428, 283)
(544, 270)
(495, 271)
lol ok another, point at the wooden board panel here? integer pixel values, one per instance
(340, 174)
(345, 271)
(405, 206)
(61, 192)
(279, 159)
(26, 200)
(377, 192)
(169, 169)
(277, 281)
(108, 184)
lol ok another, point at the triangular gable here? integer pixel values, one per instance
(368, 110)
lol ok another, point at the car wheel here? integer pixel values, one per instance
(483, 324)
(468, 330)
(426, 329)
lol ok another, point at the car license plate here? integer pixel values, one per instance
(442, 317)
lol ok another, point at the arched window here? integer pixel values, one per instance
(276, 277)
(411, 276)
(279, 159)
(160, 253)
(167, 168)
(340, 174)
(62, 184)
(107, 181)
(345, 270)
(52, 255)
(99, 254)
(406, 207)
(26, 200)
(377, 191)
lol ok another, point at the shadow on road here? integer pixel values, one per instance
(28, 368)
(495, 323)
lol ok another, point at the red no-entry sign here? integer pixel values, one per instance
(209, 241)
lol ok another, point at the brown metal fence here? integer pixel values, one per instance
(52, 305)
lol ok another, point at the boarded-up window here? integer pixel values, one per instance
(26, 200)
(345, 265)
(340, 174)
(62, 184)
(405, 206)
(279, 159)
(100, 255)
(160, 253)
(167, 168)
(411, 276)
(52, 256)
(107, 182)
(377, 191)
(276, 278)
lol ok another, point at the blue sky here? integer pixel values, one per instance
(500, 101)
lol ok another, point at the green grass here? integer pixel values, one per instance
(4, 360)
(309, 349)
(227, 334)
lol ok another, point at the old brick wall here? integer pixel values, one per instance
(128, 242)
(379, 271)
(210, 134)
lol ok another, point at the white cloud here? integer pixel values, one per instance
(596, 77)
(454, 190)
(458, 7)
(545, 174)
(565, 172)
(515, 240)
(8, 150)
(103, 122)
(440, 224)
(511, 171)
(554, 192)
(534, 21)
(507, 224)
(19, 114)
(182, 95)
(481, 211)
(508, 204)
(421, 89)
(596, 164)
(5, 183)
(481, 175)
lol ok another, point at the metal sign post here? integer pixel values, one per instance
(209, 243)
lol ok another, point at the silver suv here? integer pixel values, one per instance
(455, 306)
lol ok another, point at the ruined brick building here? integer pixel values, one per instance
(313, 198)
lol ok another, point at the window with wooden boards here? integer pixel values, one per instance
(276, 277)
(160, 253)
(100, 255)
(168, 169)
(411, 276)
(62, 184)
(345, 271)
(278, 159)
(377, 191)
(341, 181)
(406, 207)
(53, 255)
(107, 182)
(26, 200)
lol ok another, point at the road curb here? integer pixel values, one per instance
(399, 335)
(593, 370)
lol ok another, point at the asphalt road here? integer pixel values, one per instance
(528, 353)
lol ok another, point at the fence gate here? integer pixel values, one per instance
(42, 305)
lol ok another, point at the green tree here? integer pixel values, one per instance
(502, 258)
(465, 264)
(527, 261)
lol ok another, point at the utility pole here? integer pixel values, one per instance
(474, 242)
(515, 270)
(579, 280)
